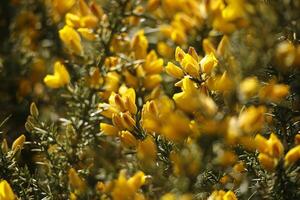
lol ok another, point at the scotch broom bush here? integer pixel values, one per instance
(150, 99)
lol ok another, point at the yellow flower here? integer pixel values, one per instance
(72, 20)
(252, 119)
(174, 70)
(267, 162)
(190, 65)
(208, 63)
(60, 78)
(222, 195)
(234, 10)
(271, 151)
(63, 6)
(153, 64)
(71, 39)
(208, 47)
(147, 150)
(188, 94)
(248, 88)
(108, 129)
(6, 193)
(164, 50)
(127, 139)
(75, 181)
(124, 189)
(274, 92)
(139, 45)
(292, 156)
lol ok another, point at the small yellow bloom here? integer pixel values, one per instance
(292, 156)
(71, 39)
(222, 195)
(108, 129)
(127, 139)
(271, 151)
(6, 193)
(208, 47)
(164, 50)
(72, 20)
(147, 150)
(208, 63)
(190, 65)
(274, 92)
(137, 180)
(252, 119)
(75, 181)
(152, 81)
(174, 70)
(59, 78)
(234, 10)
(63, 6)
(248, 88)
(139, 45)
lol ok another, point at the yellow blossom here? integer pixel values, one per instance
(126, 189)
(6, 193)
(164, 50)
(292, 156)
(252, 119)
(108, 129)
(274, 92)
(75, 181)
(222, 195)
(153, 64)
(147, 150)
(139, 45)
(59, 78)
(127, 139)
(248, 88)
(271, 150)
(71, 39)
(208, 63)
(174, 70)
(190, 65)
(63, 6)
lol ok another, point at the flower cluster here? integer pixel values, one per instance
(157, 99)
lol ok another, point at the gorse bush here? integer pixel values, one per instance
(150, 99)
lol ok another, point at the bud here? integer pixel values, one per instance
(127, 139)
(179, 54)
(127, 121)
(33, 110)
(18, 143)
(174, 70)
(208, 63)
(108, 129)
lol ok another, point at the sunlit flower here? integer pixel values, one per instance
(6, 193)
(71, 39)
(60, 77)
